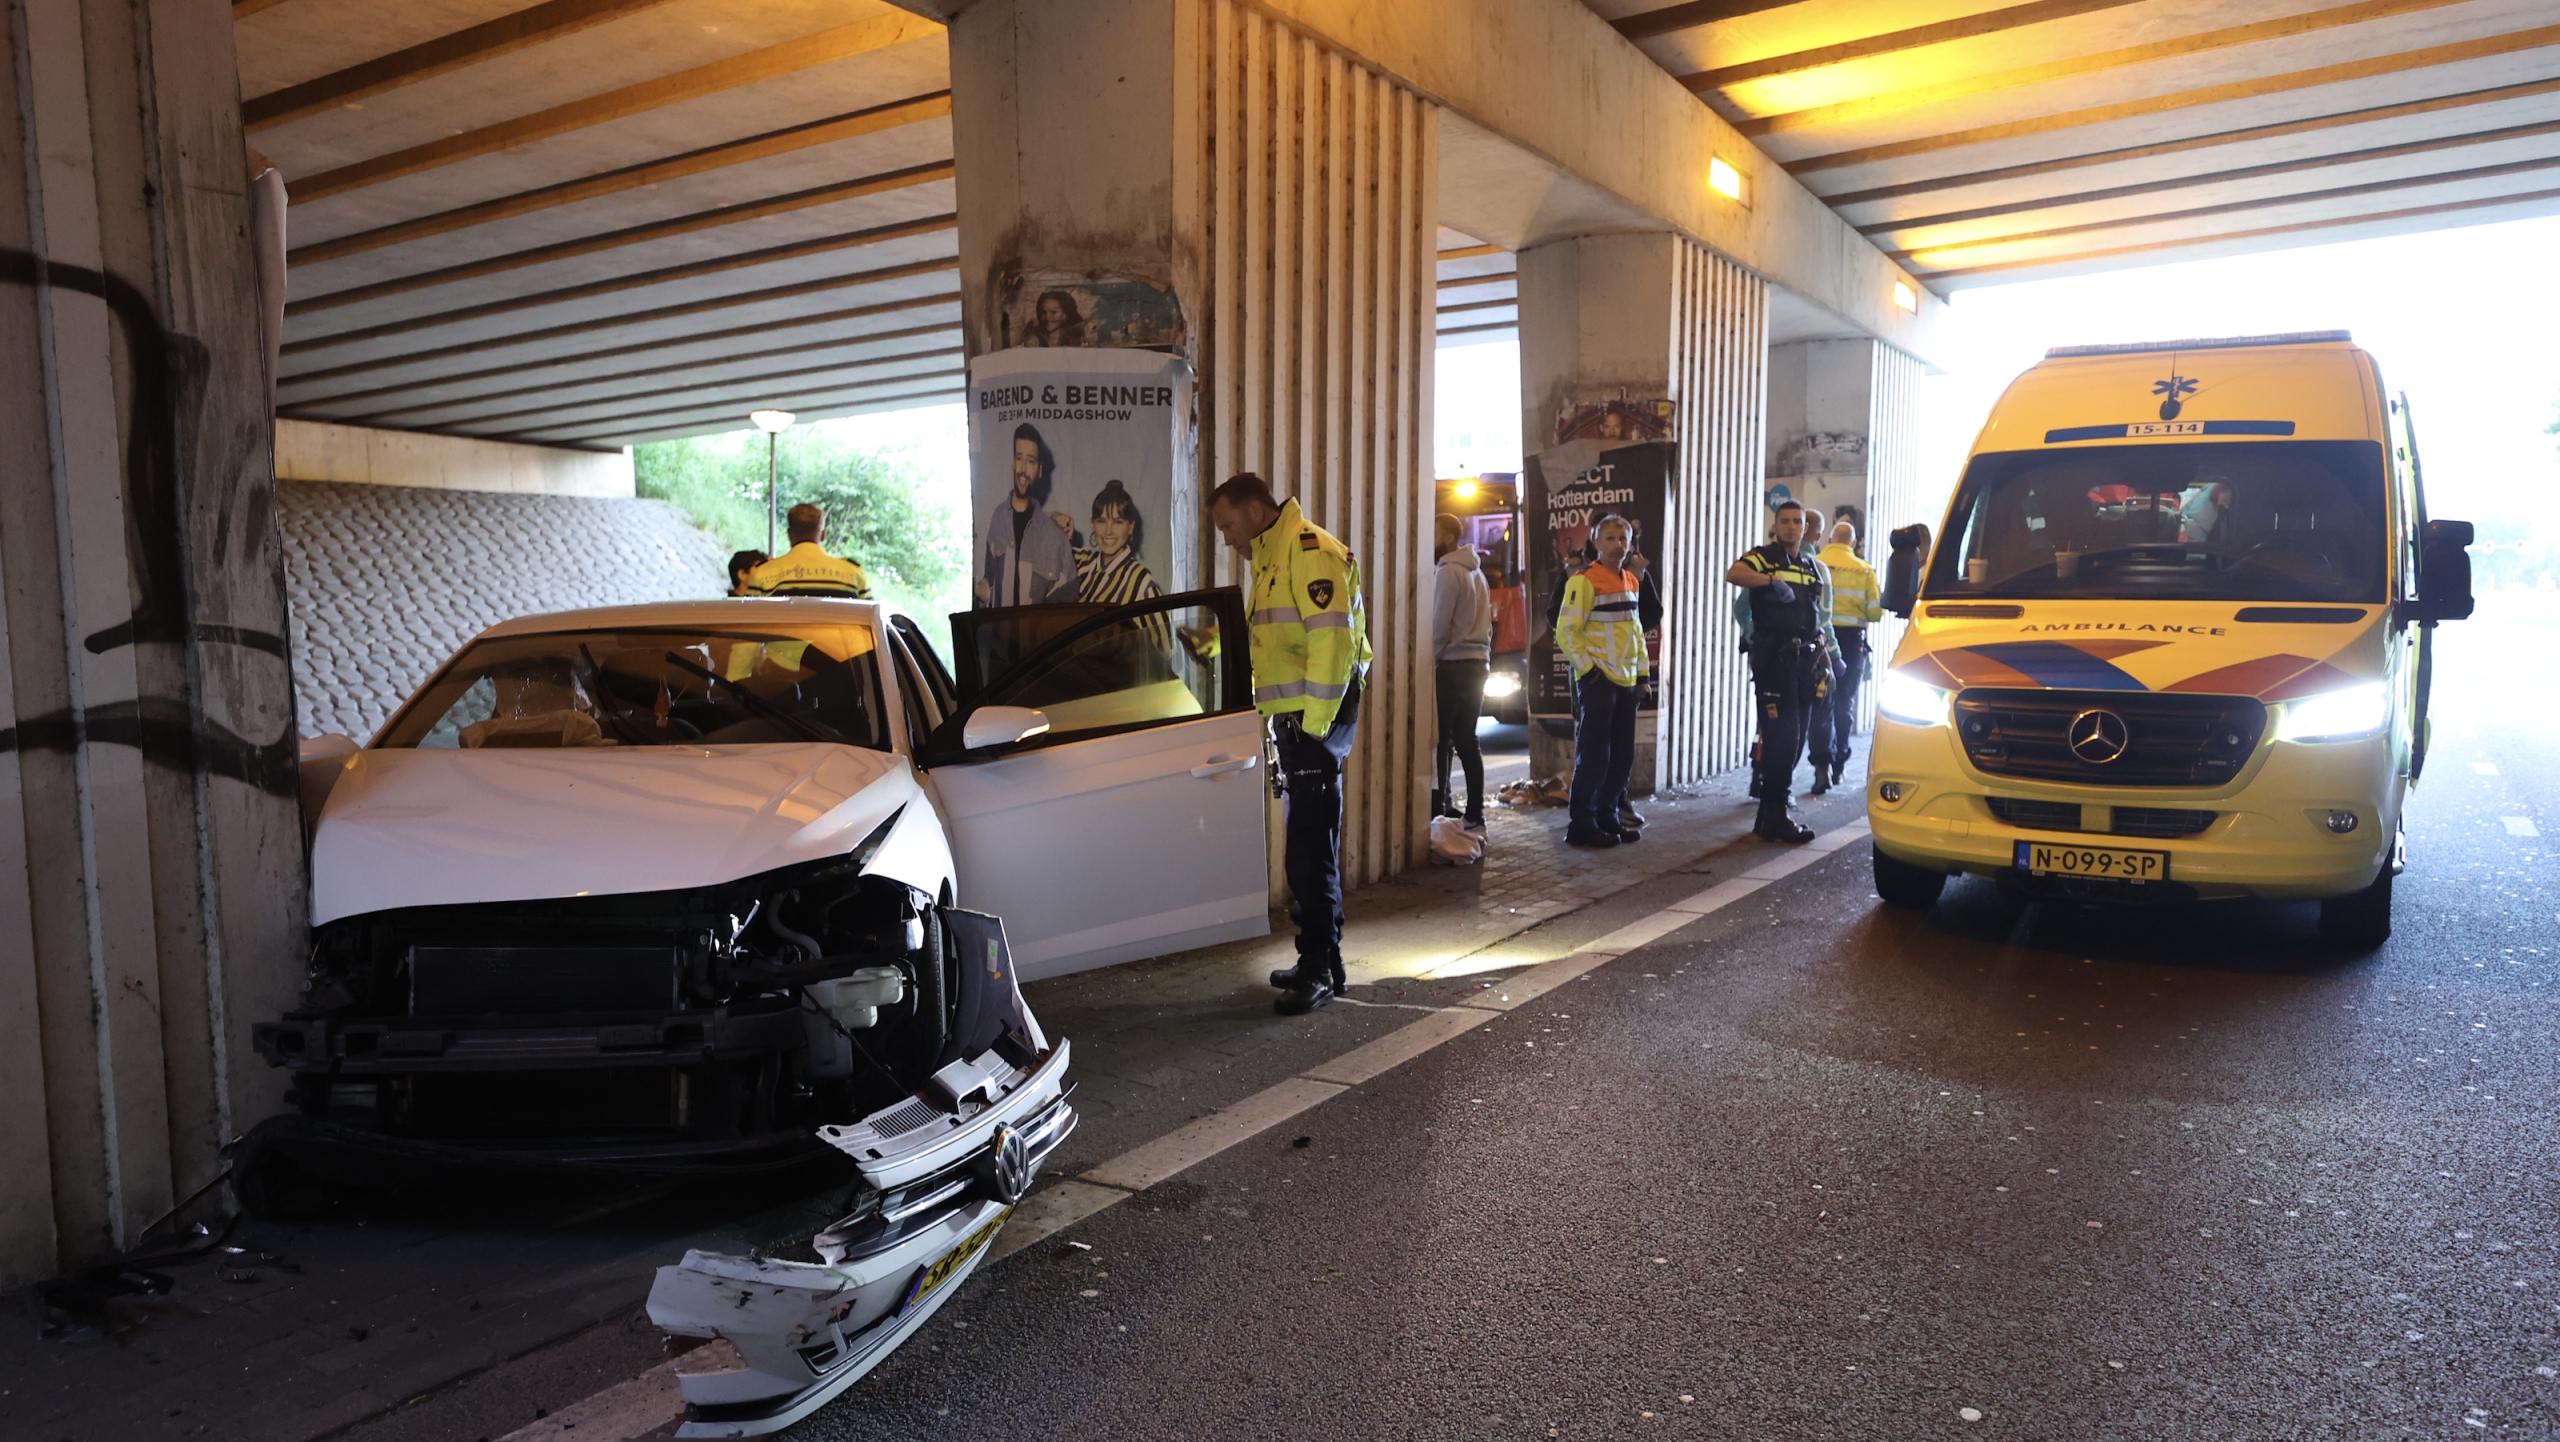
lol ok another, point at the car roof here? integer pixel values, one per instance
(718, 611)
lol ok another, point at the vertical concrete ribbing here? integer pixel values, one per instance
(1318, 376)
(1719, 360)
(1900, 489)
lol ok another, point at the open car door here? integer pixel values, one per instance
(1125, 819)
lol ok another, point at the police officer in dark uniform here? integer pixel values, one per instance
(1788, 662)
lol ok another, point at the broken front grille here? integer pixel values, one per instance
(2168, 739)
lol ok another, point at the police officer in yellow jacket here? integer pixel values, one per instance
(806, 569)
(1600, 631)
(1310, 655)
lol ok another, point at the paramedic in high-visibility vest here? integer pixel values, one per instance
(1600, 631)
(806, 569)
(1310, 654)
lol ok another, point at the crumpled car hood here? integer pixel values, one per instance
(431, 828)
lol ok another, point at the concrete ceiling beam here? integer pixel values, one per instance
(2205, 179)
(798, 402)
(1963, 27)
(823, 48)
(772, 295)
(1690, 16)
(424, 409)
(798, 200)
(565, 406)
(2261, 87)
(773, 143)
(562, 369)
(442, 55)
(829, 410)
(2245, 135)
(694, 270)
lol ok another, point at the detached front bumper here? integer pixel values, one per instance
(2268, 836)
(949, 1164)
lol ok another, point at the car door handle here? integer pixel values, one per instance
(1221, 765)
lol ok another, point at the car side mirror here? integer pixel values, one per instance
(2444, 572)
(323, 760)
(1902, 570)
(1000, 725)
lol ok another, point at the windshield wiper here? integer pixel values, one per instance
(809, 729)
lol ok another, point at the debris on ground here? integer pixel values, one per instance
(1529, 795)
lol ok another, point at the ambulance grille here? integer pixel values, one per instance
(2171, 739)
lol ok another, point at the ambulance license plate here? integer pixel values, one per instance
(2105, 863)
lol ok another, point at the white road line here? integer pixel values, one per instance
(2519, 826)
(1062, 1204)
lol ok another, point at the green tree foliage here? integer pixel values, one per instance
(881, 511)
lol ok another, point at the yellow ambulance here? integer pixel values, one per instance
(2173, 640)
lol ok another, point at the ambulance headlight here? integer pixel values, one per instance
(1913, 703)
(2348, 714)
(1501, 684)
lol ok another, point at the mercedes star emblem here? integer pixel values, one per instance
(1011, 1173)
(2098, 737)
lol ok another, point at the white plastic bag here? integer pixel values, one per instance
(1452, 844)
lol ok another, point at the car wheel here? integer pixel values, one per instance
(1902, 884)
(2361, 921)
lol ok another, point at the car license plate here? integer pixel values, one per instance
(949, 1262)
(2107, 863)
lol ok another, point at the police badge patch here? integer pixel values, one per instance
(1320, 592)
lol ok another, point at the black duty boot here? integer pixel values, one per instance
(1590, 836)
(1821, 781)
(1780, 827)
(1304, 995)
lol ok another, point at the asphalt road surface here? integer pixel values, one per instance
(1814, 1168)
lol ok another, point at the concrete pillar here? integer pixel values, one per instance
(1844, 439)
(150, 849)
(1674, 339)
(1287, 198)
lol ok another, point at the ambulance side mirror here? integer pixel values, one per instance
(2444, 573)
(1902, 571)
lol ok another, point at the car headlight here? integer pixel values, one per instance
(1500, 684)
(1913, 703)
(2342, 715)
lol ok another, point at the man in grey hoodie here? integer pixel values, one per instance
(1462, 648)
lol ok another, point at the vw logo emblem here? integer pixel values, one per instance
(2098, 737)
(1010, 1173)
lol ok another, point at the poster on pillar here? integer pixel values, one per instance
(1072, 455)
(1566, 489)
(1822, 471)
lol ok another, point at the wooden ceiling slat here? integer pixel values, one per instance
(700, 387)
(645, 372)
(692, 270)
(243, 9)
(655, 346)
(1690, 16)
(2450, 207)
(633, 177)
(446, 53)
(1963, 27)
(1470, 252)
(824, 48)
(2259, 202)
(2523, 91)
(608, 425)
(1478, 329)
(1460, 282)
(2220, 177)
(2284, 27)
(1507, 300)
(2482, 48)
(620, 322)
(634, 235)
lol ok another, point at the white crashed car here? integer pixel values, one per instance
(678, 888)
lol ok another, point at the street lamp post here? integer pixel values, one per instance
(773, 424)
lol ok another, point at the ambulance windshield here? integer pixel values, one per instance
(2216, 521)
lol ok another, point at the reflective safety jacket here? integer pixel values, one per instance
(1310, 624)
(1806, 615)
(1856, 599)
(1599, 624)
(806, 570)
